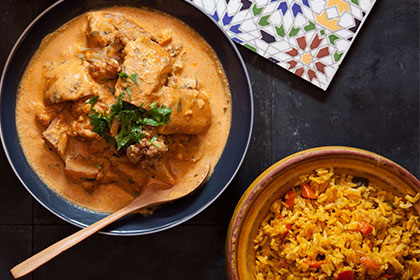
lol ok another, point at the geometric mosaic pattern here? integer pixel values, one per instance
(308, 37)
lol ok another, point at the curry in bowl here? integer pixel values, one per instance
(119, 100)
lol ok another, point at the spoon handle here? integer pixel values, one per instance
(57, 248)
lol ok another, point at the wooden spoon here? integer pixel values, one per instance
(149, 197)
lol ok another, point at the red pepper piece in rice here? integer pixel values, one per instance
(369, 262)
(365, 228)
(308, 192)
(289, 227)
(283, 264)
(346, 275)
(280, 217)
(290, 199)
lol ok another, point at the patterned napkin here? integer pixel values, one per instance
(307, 37)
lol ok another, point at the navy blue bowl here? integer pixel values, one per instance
(168, 215)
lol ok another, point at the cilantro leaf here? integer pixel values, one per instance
(128, 90)
(117, 107)
(99, 123)
(151, 122)
(137, 134)
(122, 140)
(152, 141)
(133, 77)
(160, 115)
(123, 76)
(92, 101)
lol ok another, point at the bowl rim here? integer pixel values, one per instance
(247, 199)
(156, 229)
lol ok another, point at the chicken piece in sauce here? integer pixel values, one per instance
(147, 66)
(67, 81)
(56, 133)
(107, 34)
(105, 28)
(191, 113)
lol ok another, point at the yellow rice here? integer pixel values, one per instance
(326, 230)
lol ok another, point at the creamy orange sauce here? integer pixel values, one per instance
(198, 59)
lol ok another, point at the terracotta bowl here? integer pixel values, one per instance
(273, 183)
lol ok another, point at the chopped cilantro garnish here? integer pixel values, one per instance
(133, 77)
(157, 116)
(92, 101)
(128, 90)
(99, 122)
(123, 76)
(132, 120)
(98, 166)
(161, 115)
(152, 141)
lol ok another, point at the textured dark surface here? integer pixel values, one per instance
(372, 103)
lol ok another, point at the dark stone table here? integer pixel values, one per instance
(372, 103)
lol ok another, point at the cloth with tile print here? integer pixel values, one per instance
(307, 37)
